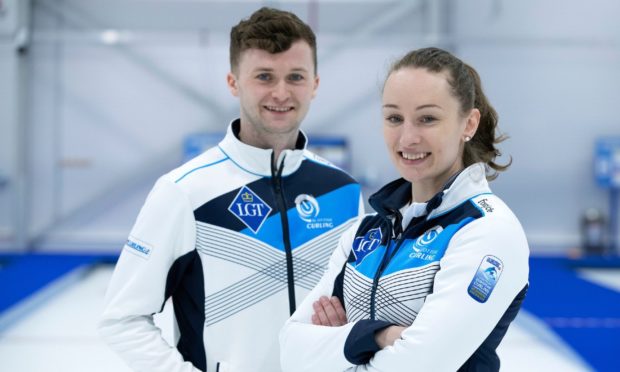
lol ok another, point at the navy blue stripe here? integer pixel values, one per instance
(311, 178)
(485, 358)
(185, 283)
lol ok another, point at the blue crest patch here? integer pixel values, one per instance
(485, 279)
(250, 209)
(363, 245)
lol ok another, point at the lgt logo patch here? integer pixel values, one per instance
(363, 245)
(250, 209)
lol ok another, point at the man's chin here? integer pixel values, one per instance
(278, 127)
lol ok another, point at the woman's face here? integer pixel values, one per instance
(424, 128)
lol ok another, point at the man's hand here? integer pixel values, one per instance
(387, 336)
(328, 312)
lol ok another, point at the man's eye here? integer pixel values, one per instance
(264, 77)
(296, 77)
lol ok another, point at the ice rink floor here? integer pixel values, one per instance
(54, 330)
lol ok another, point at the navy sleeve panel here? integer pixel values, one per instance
(360, 345)
(485, 357)
(185, 283)
(463, 211)
(315, 177)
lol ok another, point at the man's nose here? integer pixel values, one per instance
(280, 91)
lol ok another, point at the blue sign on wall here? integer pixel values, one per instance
(195, 143)
(607, 162)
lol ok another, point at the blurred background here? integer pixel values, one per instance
(99, 98)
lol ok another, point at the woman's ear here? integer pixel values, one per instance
(473, 120)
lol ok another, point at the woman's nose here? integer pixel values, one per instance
(410, 135)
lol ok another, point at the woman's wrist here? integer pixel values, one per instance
(387, 336)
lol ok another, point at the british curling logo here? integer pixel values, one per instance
(308, 210)
(250, 209)
(307, 207)
(421, 249)
(428, 237)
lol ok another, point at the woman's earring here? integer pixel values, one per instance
(467, 138)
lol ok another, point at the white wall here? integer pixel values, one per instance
(108, 119)
(7, 137)
(13, 34)
(552, 70)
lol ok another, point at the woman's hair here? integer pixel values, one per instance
(467, 88)
(272, 30)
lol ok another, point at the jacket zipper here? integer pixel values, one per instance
(431, 205)
(276, 182)
(387, 257)
(384, 262)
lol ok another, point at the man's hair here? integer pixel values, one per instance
(272, 30)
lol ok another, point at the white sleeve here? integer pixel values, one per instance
(308, 347)
(451, 324)
(163, 230)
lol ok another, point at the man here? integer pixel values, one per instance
(238, 235)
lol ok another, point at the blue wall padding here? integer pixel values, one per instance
(585, 315)
(23, 274)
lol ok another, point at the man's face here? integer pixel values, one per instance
(274, 91)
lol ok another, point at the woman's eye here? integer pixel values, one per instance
(427, 119)
(296, 77)
(394, 119)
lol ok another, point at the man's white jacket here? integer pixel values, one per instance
(235, 243)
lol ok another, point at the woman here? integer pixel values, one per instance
(433, 279)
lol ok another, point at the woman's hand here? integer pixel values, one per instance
(329, 312)
(387, 336)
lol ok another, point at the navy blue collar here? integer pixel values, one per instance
(392, 197)
(300, 144)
